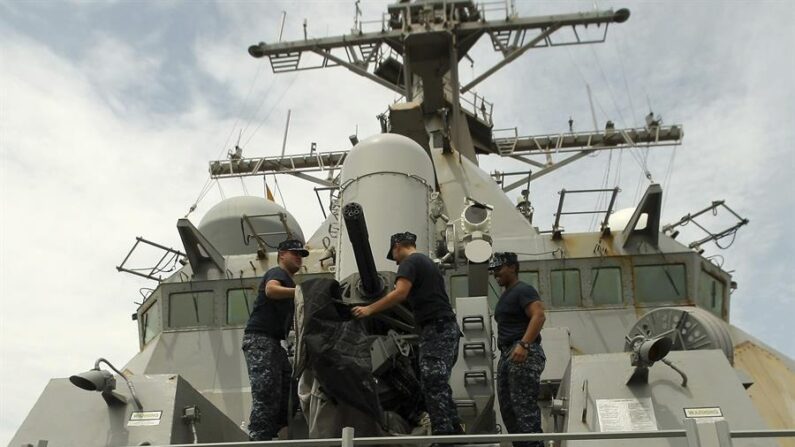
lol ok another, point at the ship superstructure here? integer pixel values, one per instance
(611, 295)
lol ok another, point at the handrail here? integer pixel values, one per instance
(348, 440)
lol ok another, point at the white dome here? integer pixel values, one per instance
(388, 152)
(620, 219)
(222, 224)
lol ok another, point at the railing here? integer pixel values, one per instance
(707, 432)
(503, 8)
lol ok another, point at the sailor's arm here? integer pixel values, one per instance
(392, 299)
(535, 312)
(276, 291)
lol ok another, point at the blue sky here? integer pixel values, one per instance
(110, 111)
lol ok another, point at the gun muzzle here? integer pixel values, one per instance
(360, 240)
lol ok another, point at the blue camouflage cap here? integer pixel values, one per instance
(501, 258)
(398, 238)
(294, 245)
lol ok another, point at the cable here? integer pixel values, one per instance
(279, 190)
(609, 87)
(220, 189)
(557, 250)
(245, 190)
(624, 76)
(668, 176)
(273, 107)
(208, 183)
(734, 236)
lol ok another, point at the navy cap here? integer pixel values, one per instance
(294, 245)
(501, 258)
(398, 238)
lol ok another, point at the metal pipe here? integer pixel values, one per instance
(490, 438)
(123, 377)
(357, 234)
(512, 56)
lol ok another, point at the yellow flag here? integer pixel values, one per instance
(268, 193)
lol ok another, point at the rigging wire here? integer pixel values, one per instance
(243, 184)
(220, 189)
(208, 183)
(585, 81)
(616, 46)
(259, 107)
(668, 176)
(609, 86)
(279, 190)
(273, 107)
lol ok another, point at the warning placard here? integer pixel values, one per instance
(626, 415)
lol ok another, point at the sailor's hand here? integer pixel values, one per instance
(519, 354)
(361, 311)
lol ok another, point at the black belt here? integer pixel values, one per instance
(506, 346)
(437, 321)
(263, 333)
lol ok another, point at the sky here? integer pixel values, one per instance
(111, 111)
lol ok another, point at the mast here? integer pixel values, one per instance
(414, 50)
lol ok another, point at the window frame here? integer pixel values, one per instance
(580, 298)
(686, 299)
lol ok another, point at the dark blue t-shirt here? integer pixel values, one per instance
(510, 313)
(272, 317)
(427, 297)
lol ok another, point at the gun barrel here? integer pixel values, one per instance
(357, 233)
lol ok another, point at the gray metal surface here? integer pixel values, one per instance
(712, 384)
(90, 422)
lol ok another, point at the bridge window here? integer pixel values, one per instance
(606, 286)
(190, 309)
(660, 283)
(565, 287)
(151, 322)
(710, 293)
(239, 304)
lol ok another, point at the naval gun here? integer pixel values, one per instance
(371, 285)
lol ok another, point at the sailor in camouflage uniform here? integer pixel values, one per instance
(520, 316)
(269, 370)
(420, 281)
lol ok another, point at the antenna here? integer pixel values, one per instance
(286, 129)
(593, 112)
(281, 27)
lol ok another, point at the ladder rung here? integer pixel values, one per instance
(473, 319)
(475, 346)
(477, 375)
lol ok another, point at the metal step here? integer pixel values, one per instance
(284, 62)
(501, 40)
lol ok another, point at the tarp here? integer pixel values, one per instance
(334, 352)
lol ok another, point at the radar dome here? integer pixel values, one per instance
(223, 224)
(620, 219)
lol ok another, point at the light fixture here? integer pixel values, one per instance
(102, 381)
(476, 228)
(646, 351)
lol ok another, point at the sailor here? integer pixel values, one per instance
(269, 371)
(420, 281)
(520, 317)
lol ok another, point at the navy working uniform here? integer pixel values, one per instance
(269, 370)
(439, 335)
(517, 383)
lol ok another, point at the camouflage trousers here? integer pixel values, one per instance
(269, 372)
(437, 354)
(517, 391)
